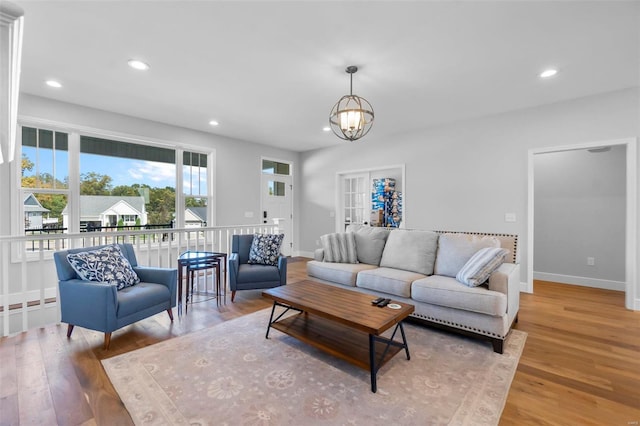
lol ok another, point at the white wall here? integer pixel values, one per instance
(467, 175)
(238, 163)
(580, 201)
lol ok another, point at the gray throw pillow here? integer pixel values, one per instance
(454, 250)
(370, 243)
(339, 247)
(413, 251)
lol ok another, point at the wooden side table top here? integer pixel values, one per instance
(344, 306)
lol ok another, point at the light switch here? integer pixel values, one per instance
(248, 214)
(509, 217)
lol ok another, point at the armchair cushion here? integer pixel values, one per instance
(140, 297)
(249, 273)
(105, 265)
(265, 249)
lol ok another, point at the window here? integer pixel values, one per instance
(44, 182)
(122, 181)
(194, 183)
(276, 188)
(274, 167)
(118, 183)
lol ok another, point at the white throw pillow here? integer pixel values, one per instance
(478, 269)
(454, 250)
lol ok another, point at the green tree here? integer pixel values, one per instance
(125, 191)
(26, 164)
(161, 205)
(93, 183)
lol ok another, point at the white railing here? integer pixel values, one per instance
(28, 278)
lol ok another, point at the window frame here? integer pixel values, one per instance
(73, 191)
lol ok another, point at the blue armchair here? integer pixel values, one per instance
(246, 276)
(101, 307)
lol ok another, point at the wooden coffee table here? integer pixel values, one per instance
(340, 322)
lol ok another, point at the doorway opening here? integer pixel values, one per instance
(628, 216)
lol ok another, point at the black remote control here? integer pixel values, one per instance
(384, 303)
(376, 301)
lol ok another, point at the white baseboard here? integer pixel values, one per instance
(304, 254)
(524, 288)
(583, 281)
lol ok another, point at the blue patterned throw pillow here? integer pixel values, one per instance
(106, 264)
(265, 249)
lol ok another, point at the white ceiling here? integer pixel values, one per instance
(270, 72)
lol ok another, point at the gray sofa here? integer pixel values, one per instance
(420, 267)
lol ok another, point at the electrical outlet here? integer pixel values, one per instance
(317, 242)
(509, 217)
(591, 261)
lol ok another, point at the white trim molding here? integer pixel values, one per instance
(581, 281)
(11, 23)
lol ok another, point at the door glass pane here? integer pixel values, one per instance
(274, 167)
(276, 188)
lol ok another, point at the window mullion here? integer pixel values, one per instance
(73, 201)
(180, 204)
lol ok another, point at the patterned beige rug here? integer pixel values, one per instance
(231, 375)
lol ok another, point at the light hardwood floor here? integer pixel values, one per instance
(580, 366)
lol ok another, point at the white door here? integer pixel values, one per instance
(277, 206)
(356, 200)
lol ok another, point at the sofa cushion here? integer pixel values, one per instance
(388, 280)
(341, 273)
(265, 249)
(446, 291)
(477, 270)
(370, 243)
(454, 250)
(106, 264)
(250, 273)
(413, 251)
(339, 247)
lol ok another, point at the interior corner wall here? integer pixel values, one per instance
(466, 175)
(238, 163)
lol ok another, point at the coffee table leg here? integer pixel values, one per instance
(404, 340)
(273, 309)
(372, 363)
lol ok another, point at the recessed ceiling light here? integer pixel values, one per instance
(326, 129)
(138, 65)
(53, 83)
(213, 123)
(548, 73)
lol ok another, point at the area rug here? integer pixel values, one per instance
(230, 374)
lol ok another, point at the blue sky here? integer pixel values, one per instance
(123, 171)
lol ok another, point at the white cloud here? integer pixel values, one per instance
(161, 174)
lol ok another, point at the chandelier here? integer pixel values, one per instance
(352, 116)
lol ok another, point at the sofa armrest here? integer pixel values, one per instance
(99, 314)
(506, 279)
(318, 255)
(165, 276)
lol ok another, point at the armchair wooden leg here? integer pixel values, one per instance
(107, 341)
(69, 330)
(233, 295)
(170, 312)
